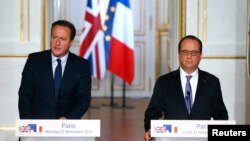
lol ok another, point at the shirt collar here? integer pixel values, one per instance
(63, 59)
(184, 74)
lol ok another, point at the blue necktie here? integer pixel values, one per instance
(58, 77)
(188, 94)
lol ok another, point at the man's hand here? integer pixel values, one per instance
(147, 136)
(62, 118)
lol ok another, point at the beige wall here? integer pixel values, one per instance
(247, 111)
(221, 25)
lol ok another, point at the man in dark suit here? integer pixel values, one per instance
(179, 98)
(42, 98)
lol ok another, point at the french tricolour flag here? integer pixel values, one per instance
(121, 58)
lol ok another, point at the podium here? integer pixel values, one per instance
(58, 130)
(183, 130)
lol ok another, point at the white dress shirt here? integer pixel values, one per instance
(63, 62)
(193, 81)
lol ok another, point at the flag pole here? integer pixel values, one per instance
(123, 94)
(93, 106)
(112, 104)
(112, 91)
(124, 98)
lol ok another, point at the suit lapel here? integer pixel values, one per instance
(180, 94)
(67, 72)
(200, 90)
(48, 77)
(49, 71)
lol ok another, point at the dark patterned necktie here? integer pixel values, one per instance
(58, 77)
(188, 94)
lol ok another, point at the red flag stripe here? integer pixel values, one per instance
(92, 33)
(121, 60)
(97, 62)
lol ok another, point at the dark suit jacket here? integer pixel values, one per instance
(36, 93)
(168, 99)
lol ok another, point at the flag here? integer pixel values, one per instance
(92, 40)
(119, 25)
